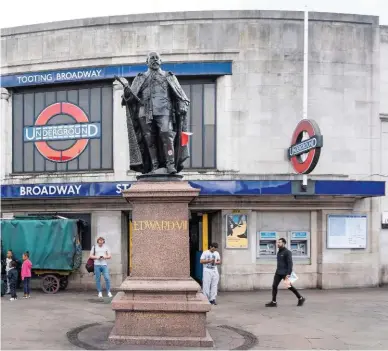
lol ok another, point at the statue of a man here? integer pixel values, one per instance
(156, 117)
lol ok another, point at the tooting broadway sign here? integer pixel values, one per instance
(309, 148)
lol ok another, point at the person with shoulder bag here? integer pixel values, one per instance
(99, 254)
(90, 263)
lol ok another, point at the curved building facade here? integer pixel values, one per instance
(243, 72)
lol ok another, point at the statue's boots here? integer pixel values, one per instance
(154, 159)
(171, 169)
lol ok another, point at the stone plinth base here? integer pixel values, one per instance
(207, 341)
(158, 311)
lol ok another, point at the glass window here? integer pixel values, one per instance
(56, 144)
(201, 121)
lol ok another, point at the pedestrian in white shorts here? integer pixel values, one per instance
(210, 259)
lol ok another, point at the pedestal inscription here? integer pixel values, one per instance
(160, 225)
(160, 304)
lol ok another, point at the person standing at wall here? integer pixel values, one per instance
(210, 259)
(100, 253)
(283, 272)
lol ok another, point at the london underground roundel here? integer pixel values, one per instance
(306, 145)
(44, 131)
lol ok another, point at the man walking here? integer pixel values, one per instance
(210, 259)
(283, 271)
(100, 253)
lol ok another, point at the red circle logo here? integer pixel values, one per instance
(306, 145)
(79, 132)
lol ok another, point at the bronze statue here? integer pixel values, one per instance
(156, 107)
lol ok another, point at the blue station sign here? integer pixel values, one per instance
(206, 187)
(217, 68)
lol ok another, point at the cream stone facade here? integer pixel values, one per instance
(256, 109)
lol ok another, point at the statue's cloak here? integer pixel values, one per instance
(138, 152)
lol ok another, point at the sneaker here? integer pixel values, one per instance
(13, 299)
(271, 304)
(110, 294)
(100, 295)
(28, 296)
(25, 297)
(301, 301)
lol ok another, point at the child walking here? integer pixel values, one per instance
(26, 274)
(12, 276)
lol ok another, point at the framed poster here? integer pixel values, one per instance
(236, 231)
(346, 231)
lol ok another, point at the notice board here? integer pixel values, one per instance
(346, 231)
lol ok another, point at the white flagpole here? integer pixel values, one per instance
(305, 71)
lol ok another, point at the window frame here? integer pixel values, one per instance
(63, 88)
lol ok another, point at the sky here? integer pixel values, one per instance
(22, 12)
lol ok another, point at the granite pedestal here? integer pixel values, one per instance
(160, 304)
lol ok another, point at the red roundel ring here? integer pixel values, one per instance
(314, 150)
(74, 151)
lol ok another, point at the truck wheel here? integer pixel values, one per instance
(50, 284)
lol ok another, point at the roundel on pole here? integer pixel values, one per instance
(306, 145)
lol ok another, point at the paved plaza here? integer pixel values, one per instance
(335, 319)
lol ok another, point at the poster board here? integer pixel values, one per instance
(236, 231)
(346, 231)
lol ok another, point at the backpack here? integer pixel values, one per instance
(90, 263)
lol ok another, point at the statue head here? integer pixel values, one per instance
(153, 61)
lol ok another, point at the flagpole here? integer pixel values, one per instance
(305, 72)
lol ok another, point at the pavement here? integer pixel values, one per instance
(348, 319)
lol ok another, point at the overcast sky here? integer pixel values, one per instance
(21, 12)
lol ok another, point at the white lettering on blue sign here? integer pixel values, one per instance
(63, 132)
(78, 75)
(35, 78)
(60, 76)
(303, 147)
(121, 187)
(50, 190)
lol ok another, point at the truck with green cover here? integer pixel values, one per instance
(53, 243)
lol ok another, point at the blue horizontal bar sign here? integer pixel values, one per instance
(268, 235)
(216, 68)
(63, 132)
(206, 187)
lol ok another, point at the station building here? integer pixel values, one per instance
(243, 72)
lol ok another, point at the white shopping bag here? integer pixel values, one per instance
(290, 280)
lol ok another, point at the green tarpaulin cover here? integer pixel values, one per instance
(51, 242)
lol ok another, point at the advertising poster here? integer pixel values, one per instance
(236, 231)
